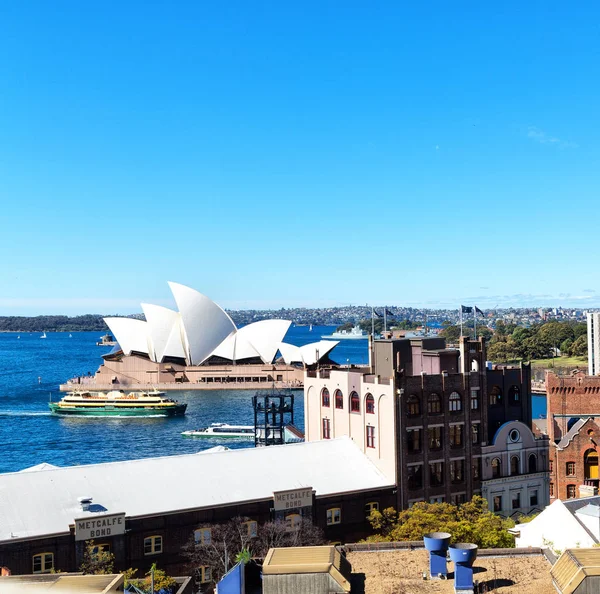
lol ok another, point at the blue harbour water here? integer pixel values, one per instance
(31, 370)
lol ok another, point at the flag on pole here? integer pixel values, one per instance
(466, 309)
(477, 310)
(378, 314)
(389, 313)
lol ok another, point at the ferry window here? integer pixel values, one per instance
(370, 404)
(354, 402)
(339, 399)
(455, 402)
(202, 536)
(153, 545)
(325, 397)
(292, 522)
(43, 562)
(371, 506)
(370, 436)
(204, 574)
(252, 528)
(334, 516)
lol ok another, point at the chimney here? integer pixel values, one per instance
(85, 503)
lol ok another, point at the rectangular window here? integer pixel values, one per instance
(326, 431)
(415, 477)
(497, 503)
(570, 468)
(551, 465)
(334, 516)
(436, 474)
(459, 499)
(434, 437)
(516, 500)
(204, 574)
(413, 437)
(551, 489)
(533, 498)
(476, 468)
(292, 522)
(371, 506)
(252, 528)
(474, 399)
(571, 492)
(475, 437)
(43, 562)
(153, 545)
(370, 436)
(202, 536)
(457, 471)
(456, 436)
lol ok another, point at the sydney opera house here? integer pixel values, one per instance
(199, 346)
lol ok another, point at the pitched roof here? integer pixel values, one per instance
(45, 502)
(573, 566)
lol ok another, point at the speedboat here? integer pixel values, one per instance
(223, 430)
(118, 403)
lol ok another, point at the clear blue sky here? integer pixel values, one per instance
(319, 153)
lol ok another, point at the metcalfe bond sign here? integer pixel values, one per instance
(99, 526)
(293, 498)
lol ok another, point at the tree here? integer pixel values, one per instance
(469, 522)
(231, 541)
(580, 347)
(345, 327)
(451, 333)
(96, 560)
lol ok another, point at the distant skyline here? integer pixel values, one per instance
(318, 154)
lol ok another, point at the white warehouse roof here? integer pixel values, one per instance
(201, 329)
(34, 504)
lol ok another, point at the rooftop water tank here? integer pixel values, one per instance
(437, 545)
(463, 556)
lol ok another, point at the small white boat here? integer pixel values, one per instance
(43, 335)
(223, 431)
(70, 336)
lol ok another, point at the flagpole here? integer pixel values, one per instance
(475, 320)
(385, 319)
(372, 322)
(461, 332)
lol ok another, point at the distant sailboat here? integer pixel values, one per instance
(70, 336)
(43, 335)
(310, 328)
(19, 336)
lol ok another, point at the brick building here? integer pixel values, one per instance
(422, 415)
(573, 421)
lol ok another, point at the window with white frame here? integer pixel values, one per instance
(371, 506)
(204, 574)
(252, 528)
(202, 536)
(43, 562)
(153, 545)
(334, 516)
(292, 522)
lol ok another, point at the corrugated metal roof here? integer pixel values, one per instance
(58, 583)
(573, 567)
(45, 502)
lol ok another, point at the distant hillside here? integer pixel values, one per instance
(88, 322)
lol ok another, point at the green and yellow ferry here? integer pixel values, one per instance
(118, 403)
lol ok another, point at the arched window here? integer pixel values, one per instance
(514, 465)
(455, 402)
(590, 460)
(434, 404)
(339, 399)
(370, 404)
(474, 365)
(325, 397)
(354, 402)
(514, 395)
(495, 396)
(532, 463)
(413, 405)
(496, 468)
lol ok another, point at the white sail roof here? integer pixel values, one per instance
(131, 334)
(313, 352)
(205, 324)
(290, 353)
(165, 331)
